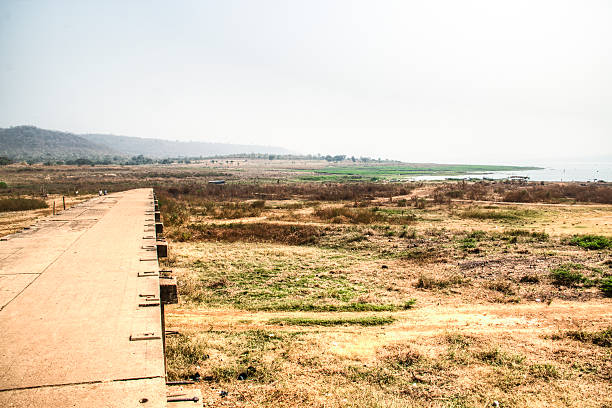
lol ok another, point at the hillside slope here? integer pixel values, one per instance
(29, 142)
(158, 148)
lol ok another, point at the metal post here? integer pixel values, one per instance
(53, 207)
(64, 202)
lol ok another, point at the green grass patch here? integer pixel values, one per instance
(388, 171)
(280, 278)
(21, 204)
(568, 274)
(594, 242)
(498, 215)
(347, 307)
(333, 321)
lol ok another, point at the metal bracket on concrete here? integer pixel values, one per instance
(148, 273)
(148, 304)
(144, 336)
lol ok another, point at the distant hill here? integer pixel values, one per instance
(29, 142)
(159, 148)
(32, 143)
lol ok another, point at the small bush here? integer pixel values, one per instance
(399, 355)
(535, 235)
(530, 279)
(606, 286)
(21, 204)
(174, 212)
(427, 282)
(568, 275)
(500, 358)
(3, 185)
(591, 242)
(502, 286)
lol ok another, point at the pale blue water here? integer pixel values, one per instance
(551, 172)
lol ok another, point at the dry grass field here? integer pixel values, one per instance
(375, 294)
(382, 300)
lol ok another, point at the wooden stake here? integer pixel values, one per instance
(64, 202)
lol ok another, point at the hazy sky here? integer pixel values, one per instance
(448, 81)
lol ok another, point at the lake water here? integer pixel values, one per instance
(550, 172)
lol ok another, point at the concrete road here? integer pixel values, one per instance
(80, 321)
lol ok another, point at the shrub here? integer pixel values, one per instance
(535, 235)
(3, 185)
(21, 204)
(591, 241)
(606, 286)
(502, 286)
(530, 279)
(567, 275)
(175, 213)
(500, 358)
(427, 282)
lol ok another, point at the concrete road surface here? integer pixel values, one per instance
(72, 331)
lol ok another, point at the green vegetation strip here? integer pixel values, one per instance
(346, 307)
(333, 321)
(591, 241)
(415, 170)
(503, 215)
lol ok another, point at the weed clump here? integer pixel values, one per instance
(183, 353)
(606, 286)
(545, 371)
(568, 275)
(500, 358)
(601, 338)
(594, 242)
(428, 282)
